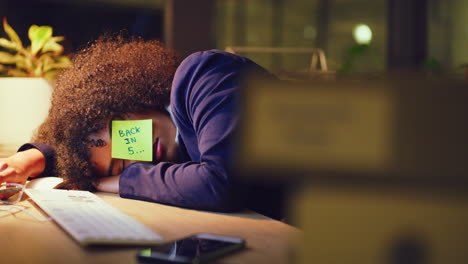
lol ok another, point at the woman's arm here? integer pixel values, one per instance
(21, 166)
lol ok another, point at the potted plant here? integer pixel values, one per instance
(26, 73)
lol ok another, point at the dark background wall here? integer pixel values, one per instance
(406, 33)
(81, 21)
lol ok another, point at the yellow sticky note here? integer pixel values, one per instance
(132, 139)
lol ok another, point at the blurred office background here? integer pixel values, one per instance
(417, 34)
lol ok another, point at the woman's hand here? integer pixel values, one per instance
(20, 166)
(109, 184)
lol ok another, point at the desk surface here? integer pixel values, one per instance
(25, 240)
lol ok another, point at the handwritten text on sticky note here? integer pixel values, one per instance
(132, 139)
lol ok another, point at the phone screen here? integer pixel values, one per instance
(198, 247)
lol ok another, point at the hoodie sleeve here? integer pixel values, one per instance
(204, 102)
(49, 154)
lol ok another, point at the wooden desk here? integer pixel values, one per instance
(25, 240)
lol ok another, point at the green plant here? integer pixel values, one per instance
(43, 58)
(352, 55)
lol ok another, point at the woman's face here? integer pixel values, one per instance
(165, 147)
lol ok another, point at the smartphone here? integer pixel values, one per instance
(198, 248)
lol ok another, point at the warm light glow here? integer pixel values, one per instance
(362, 34)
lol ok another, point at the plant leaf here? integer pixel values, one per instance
(17, 73)
(5, 43)
(58, 38)
(37, 72)
(11, 33)
(23, 61)
(47, 62)
(51, 75)
(53, 46)
(39, 36)
(59, 65)
(63, 59)
(20, 64)
(7, 58)
(60, 62)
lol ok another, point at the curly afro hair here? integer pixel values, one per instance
(111, 77)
